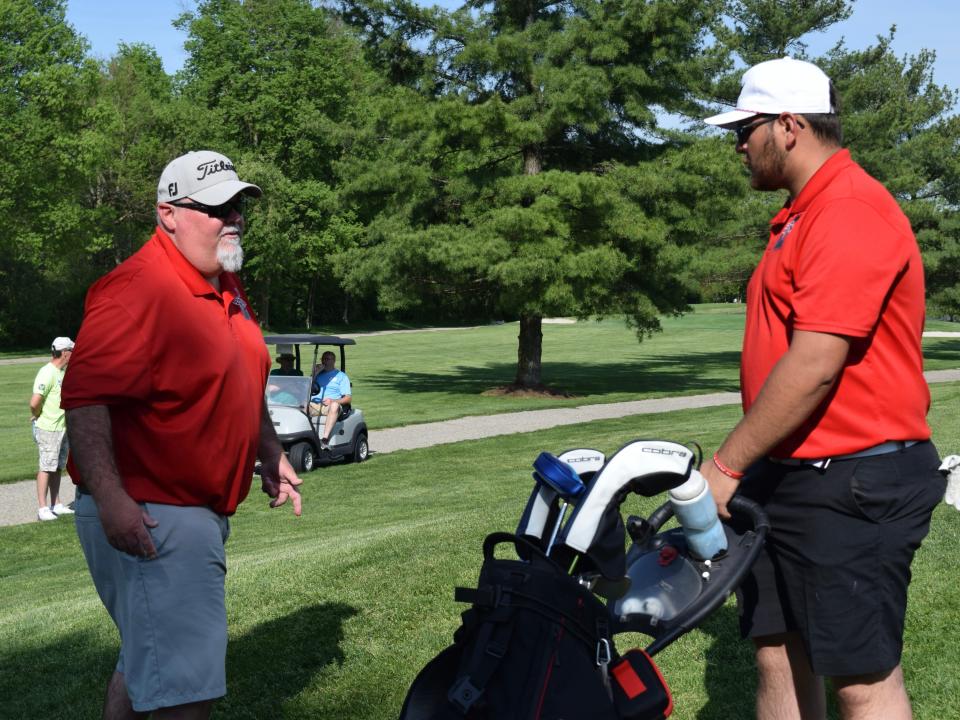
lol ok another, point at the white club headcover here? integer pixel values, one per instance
(951, 468)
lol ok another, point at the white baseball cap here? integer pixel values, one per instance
(203, 175)
(61, 343)
(777, 86)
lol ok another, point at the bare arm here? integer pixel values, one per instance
(279, 479)
(124, 522)
(796, 387)
(36, 405)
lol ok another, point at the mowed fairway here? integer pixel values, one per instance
(406, 378)
(332, 614)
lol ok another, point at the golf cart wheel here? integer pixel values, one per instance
(302, 457)
(361, 448)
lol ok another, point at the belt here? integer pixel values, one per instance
(822, 463)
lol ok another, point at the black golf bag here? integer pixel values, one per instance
(535, 645)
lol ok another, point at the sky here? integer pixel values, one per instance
(930, 24)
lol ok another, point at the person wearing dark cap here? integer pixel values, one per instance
(285, 359)
(166, 418)
(834, 441)
(50, 429)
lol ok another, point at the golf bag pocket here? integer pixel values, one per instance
(535, 645)
(639, 690)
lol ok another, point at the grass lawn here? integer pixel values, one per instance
(407, 378)
(333, 614)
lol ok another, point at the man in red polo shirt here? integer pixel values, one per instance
(834, 440)
(166, 417)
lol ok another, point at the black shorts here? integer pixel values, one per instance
(836, 565)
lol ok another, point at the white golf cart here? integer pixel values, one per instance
(288, 401)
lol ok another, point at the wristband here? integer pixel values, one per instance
(733, 474)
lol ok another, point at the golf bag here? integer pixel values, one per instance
(535, 645)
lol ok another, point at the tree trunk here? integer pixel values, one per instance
(311, 298)
(529, 352)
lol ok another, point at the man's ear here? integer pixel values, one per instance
(792, 127)
(166, 217)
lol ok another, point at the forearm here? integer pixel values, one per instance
(796, 387)
(91, 444)
(269, 448)
(36, 406)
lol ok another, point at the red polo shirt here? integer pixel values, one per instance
(842, 259)
(182, 370)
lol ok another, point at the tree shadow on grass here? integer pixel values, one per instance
(663, 375)
(730, 673)
(275, 661)
(268, 666)
(942, 349)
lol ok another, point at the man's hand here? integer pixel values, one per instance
(722, 487)
(280, 481)
(125, 524)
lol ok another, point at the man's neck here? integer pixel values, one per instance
(806, 166)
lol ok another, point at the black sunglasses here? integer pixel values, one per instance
(743, 132)
(220, 212)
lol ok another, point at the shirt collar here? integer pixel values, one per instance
(192, 278)
(824, 175)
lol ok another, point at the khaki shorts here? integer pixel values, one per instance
(320, 408)
(53, 447)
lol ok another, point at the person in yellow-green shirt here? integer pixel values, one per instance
(50, 429)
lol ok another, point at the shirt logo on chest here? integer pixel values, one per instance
(238, 301)
(786, 231)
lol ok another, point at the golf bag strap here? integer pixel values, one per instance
(492, 643)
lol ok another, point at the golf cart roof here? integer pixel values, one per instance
(307, 340)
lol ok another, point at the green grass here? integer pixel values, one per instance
(406, 378)
(332, 615)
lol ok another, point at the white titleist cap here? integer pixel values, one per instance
(61, 343)
(777, 86)
(202, 175)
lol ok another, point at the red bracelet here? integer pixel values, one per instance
(725, 470)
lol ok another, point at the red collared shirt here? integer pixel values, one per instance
(182, 369)
(842, 259)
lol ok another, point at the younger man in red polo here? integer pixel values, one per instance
(834, 440)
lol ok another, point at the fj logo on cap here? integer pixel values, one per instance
(172, 189)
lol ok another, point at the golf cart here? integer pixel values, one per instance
(288, 401)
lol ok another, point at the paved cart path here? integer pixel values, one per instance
(18, 500)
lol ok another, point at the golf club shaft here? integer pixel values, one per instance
(556, 527)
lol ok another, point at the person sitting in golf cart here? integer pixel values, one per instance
(331, 390)
(285, 358)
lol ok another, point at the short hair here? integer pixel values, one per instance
(56, 353)
(331, 353)
(826, 126)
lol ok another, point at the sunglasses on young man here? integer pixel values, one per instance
(220, 212)
(743, 132)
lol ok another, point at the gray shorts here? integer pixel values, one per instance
(53, 447)
(170, 611)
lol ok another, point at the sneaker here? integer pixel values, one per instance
(60, 509)
(45, 513)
